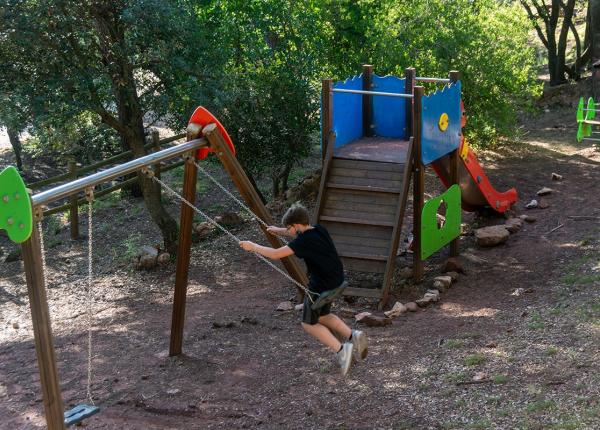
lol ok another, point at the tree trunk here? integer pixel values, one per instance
(594, 32)
(13, 136)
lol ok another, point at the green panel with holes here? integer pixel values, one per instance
(15, 206)
(434, 237)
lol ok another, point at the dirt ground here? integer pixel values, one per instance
(247, 365)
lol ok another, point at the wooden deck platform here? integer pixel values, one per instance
(382, 149)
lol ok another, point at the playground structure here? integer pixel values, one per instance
(20, 212)
(365, 180)
(377, 132)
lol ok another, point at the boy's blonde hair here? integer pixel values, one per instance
(296, 214)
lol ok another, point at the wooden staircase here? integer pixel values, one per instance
(362, 203)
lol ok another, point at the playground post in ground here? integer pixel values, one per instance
(190, 177)
(418, 183)
(367, 100)
(454, 160)
(42, 331)
(326, 113)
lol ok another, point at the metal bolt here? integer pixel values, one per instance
(10, 221)
(5, 199)
(17, 196)
(21, 226)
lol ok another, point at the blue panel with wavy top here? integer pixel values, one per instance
(347, 112)
(389, 113)
(436, 142)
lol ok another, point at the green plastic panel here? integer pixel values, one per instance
(579, 114)
(15, 206)
(432, 237)
(591, 109)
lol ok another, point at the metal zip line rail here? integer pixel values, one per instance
(46, 197)
(372, 93)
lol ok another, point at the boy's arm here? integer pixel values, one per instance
(272, 253)
(278, 231)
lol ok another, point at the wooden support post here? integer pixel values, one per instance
(326, 113)
(190, 176)
(324, 176)
(418, 184)
(367, 100)
(454, 166)
(410, 74)
(156, 148)
(74, 208)
(249, 194)
(42, 332)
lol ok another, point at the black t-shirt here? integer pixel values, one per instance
(315, 247)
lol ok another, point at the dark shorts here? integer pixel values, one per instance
(312, 317)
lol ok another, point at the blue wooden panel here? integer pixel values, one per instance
(389, 113)
(435, 142)
(347, 120)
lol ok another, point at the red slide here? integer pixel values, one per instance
(476, 189)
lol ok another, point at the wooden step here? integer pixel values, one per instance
(356, 221)
(363, 292)
(360, 265)
(367, 165)
(391, 190)
(363, 256)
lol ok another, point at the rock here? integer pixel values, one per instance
(556, 177)
(375, 320)
(299, 307)
(360, 316)
(543, 204)
(509, 213)
(224, 324)
(491, 236)
(446, 280)
(452, 264)
(517, 292)
(433, 294)
(229, 218)
(396, 311)
(491, 344)
(528, 218)
(306, 190)
(544, 191)
(480, 376)
(203, 229)
(412, 306)
(12, 256)
(513, 225)
(147, 250)
(532, 204)
(146, 262)
(453, 276)
(15, 325)
(422, 303)
(440, 286)
(163, 258)
(285, 306)
(173, 391)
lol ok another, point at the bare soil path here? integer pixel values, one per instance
(249, 366)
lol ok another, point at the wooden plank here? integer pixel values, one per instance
(364, 248)
(361, 197)
(333, 204)
(365, 255)
(352, 213)
(190, 176)
(358, 231)
(371, 174)
(363, 292)
(42, 332)
(370, 266)
(363, 182)
(249, 194)
(410, 74)
(360, 221)
(347, 239)
(368, 165)
(363, 188)
(454, 169)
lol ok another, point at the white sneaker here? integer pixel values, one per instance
(345, 357)
(359, 340)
